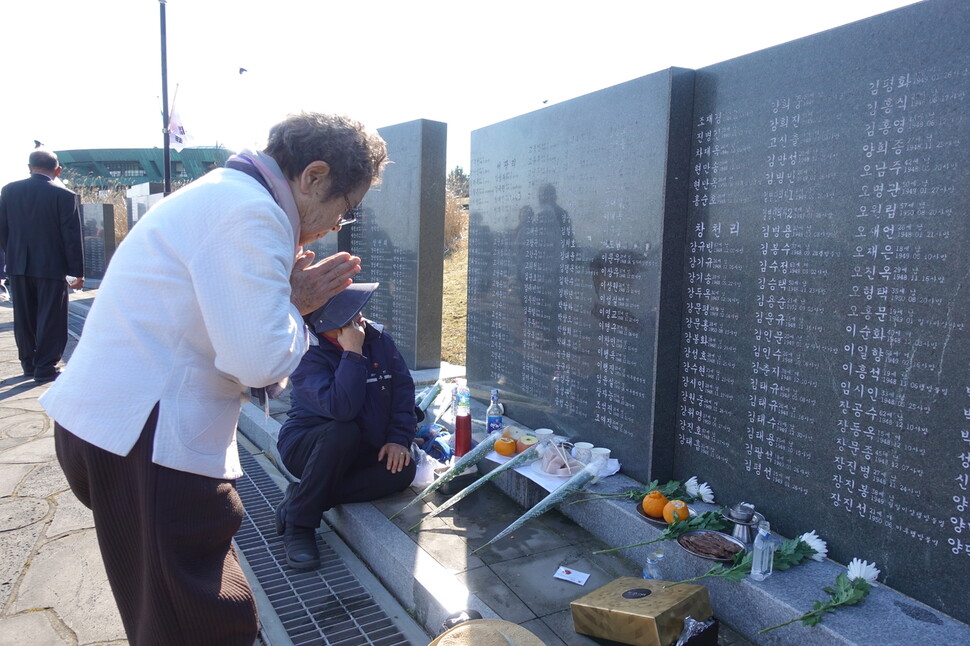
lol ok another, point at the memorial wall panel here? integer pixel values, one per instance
(824, 369)
(400, 240)
(576, 210)
(98, 230)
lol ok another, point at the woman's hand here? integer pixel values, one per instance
(312, 284)
(397, 456)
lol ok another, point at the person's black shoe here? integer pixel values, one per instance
(44, 378)
(301, 547)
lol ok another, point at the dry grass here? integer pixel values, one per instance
(113, 196)
(454, 292)
(454, 306)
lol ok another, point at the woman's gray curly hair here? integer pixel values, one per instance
(356, 155)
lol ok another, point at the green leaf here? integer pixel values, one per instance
(791, 553)
(672, 490)
(738, 572)
(812, 620)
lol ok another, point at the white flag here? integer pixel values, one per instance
(176, 133)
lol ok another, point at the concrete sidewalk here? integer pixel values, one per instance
(53, 589)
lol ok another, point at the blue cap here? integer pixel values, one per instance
(341, 309)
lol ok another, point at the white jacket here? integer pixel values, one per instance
(194, 308)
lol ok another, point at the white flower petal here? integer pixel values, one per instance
(706, 493)
(859, 569)
(692, 487)
(812, 540)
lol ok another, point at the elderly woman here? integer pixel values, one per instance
(204, 298)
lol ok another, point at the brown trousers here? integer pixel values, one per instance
(165, 537)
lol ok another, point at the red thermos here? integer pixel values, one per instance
(463, 435)
(463, 418)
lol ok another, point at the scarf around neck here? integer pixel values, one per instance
(278, 186)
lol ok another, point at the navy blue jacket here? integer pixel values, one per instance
(40, 229)
(374, 389)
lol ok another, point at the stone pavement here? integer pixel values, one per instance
(53, 590)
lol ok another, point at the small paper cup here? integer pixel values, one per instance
(582, 451)
(600, 455)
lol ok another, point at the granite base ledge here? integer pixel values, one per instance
(887, 617)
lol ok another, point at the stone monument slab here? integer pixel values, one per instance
(576, 238)
(400, 240)
(102, 235)
(824, 372)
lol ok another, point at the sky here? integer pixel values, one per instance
(87, 73)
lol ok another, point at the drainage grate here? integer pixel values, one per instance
(321, 607)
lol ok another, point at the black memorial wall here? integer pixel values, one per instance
(795, 331)
(824, 372)
(400, 240)
(574, 272)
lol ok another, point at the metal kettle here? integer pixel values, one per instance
(745, 520)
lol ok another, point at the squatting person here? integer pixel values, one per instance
(348, 433)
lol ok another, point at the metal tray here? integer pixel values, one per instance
(695, 532)
(660, 522)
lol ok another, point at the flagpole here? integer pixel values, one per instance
(166, 152)
(175, 98)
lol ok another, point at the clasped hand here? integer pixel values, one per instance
(313, 284)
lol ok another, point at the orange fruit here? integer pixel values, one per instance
(504, 446)
(676, 510)
(653, 504)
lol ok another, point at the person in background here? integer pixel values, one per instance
(40, 233)
(349, 430)
(204, 298)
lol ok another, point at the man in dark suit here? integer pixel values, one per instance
(40, 231)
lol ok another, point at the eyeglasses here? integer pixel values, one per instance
(350, 215)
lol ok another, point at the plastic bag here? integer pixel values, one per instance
(426, 465)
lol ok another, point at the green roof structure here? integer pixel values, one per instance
(110, 167)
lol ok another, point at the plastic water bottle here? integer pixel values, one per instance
(651, 569)
(493, 417)
(763, 559)
(463, 418)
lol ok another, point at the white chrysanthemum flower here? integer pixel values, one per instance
(707, 494)
(693, 487)
(863, 570)
(812, 540)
